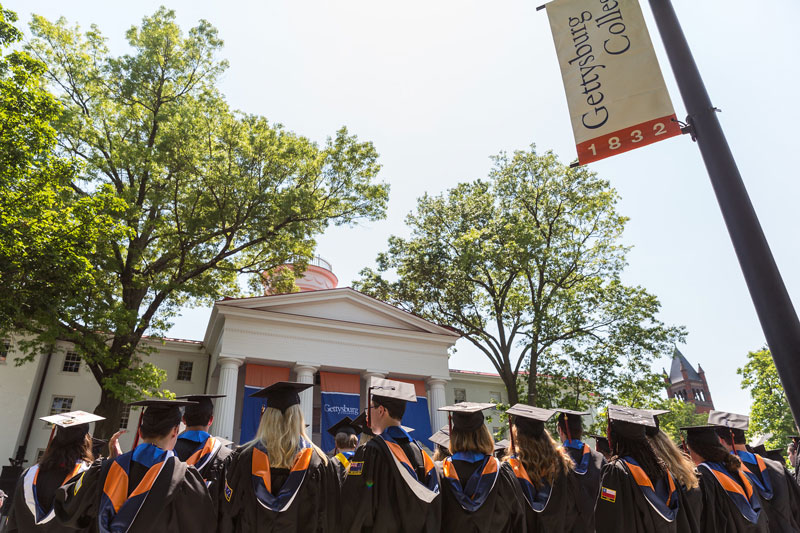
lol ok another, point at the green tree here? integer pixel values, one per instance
(769, 412)
(211, 194)
(47, 232)
(526, 265)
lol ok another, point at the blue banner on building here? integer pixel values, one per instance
(335, 406)
(418, 417)
(251, 414)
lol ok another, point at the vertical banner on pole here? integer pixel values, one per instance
(340, 394)
(257, 377)
(417, 415)
(616, 94)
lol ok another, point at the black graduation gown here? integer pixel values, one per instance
(720, 512)
(313, 509)
(783, 508)
(177, 501)
(212, 468)
(341, 464)
(562, 512)
(502, 511)
(22, 515)
(589, 482)
(622, 506)
(377, 497)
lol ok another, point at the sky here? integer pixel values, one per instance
(440, 86)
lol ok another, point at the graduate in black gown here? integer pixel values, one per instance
(601, 446)
(392, 485)
(147, 490)
(479, 493)
(544, 473)
(730, 501)
(68, 454)
(588, 463)
(637, 492)
(196, 447)
(345, 434)
(779, 493)
(681, 467)
(441, 439)
(280, 481)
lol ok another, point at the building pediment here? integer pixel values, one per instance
(337, 305)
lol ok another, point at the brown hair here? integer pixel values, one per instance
(66, 455)
(678, 463)
(346, 440)
(542, 458)
(479, 440)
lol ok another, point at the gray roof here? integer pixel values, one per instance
(675, 374)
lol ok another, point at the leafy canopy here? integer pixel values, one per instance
(210, 193)
(526, 265)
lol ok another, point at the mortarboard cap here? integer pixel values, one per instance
(529, 419)
(775, 455)
(74, 418)
(361, 423)
(728, 420)
(203, 400)
(159, 415)
(71, 427)
(653, 431)
(573, 420)
(441, 437)
(282, 395)
(631, 422)
(570, 412)
(760, 441)
(467, 416)
(701, 435)
(601, 444)
(345, 425)
(502, 445)
(392, 390)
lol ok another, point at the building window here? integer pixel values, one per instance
(61, 404)
(5, 348)
(460, 395)
(72, 362)
(185, 370)
(495, 397)
(126, 415)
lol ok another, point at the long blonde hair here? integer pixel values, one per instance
(479, 440)
(542, 458)
(280, 433)
(679, 464)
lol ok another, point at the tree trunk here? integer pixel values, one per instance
(533, 374)
(111, 408)
(510, 381)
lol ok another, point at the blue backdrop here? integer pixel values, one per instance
(335, 406)
(418, 417)
(251, 414)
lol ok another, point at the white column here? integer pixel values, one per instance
(437, 400)
(305, 374)
(225, 409)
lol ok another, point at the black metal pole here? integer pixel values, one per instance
(773, 305)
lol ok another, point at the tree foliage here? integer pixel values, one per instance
(769, 411)
(210, 193)
(47, 232)
(526, 265)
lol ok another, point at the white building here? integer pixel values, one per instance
(336, 338)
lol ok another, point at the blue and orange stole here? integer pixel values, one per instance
(431, 478)
(42, 516)
(206, 449)
(583, 466)
(742, 495)
(479, 485)
(118, 505)
(537, 498)
(762, 483)
(262, 480)
(663, 497)
(344, 458)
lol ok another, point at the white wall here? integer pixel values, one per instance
(18, 386)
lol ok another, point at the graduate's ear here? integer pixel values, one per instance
(210, 420)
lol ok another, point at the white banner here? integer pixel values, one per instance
(616, 94)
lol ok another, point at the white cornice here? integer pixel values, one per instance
(264, 302)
